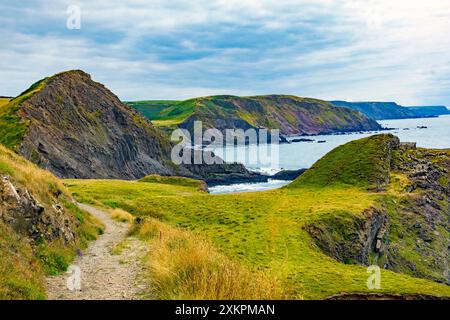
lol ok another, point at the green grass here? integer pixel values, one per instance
(264, 230)
(260, 230)
(165, 113)
(179, 181)
(12, 126)
(151, 109)
(363, 163)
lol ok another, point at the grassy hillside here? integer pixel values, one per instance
(23, 261)
(12, 127)
(263, 232)
(363, 163)
(4, 101)
(293, 115)
(152, 109)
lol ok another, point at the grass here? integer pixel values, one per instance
(185, 266)
(4, 101)
(260, 230)
(165, 113)
(151, 109)
(21, 274)
(24, 263)
(12, 126)
(263, 231)
(121, 215)
(179, 181)
(363, 163)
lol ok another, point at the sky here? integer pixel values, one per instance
(356, 50)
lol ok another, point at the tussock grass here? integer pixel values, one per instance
(185, 266)
(40, 182)
(121, 215)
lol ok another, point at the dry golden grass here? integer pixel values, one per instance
(23, 263)
(185, 266)
(40, 182)
(121, 215)
(4, 101)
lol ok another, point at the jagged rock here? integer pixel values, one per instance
(351, 243)
(24, 214)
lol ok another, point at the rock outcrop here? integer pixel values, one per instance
(356, 242)
(408, 230)
(77, 128)
(21, 211)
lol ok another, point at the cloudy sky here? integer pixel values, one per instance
(385, 50)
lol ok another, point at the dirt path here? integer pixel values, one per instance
(103, 275)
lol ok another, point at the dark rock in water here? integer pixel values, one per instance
(302, 140)
(422, 127)
(228, 178)
(288, 174)
(283, 139)
(321, 141)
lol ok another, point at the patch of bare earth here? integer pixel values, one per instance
(104, 275)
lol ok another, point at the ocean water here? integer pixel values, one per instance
(248, 187)
(304, 154)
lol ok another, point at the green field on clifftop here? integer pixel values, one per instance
(265, 230)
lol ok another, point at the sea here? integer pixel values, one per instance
(426, 132)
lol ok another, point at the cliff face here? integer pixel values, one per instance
(407, 229)
(77, 128)
(292, 115)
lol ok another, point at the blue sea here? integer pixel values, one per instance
(304, 154)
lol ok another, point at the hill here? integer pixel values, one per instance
(382, 203)
(429, 111)
(40, 228)
(392, 110)
(77, 128)
(378, 110)
(152, 109)
(292, 115)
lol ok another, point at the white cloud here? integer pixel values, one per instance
(346, 49)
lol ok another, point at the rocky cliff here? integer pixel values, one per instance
(77, 128)
(407, 230)
(292, 115)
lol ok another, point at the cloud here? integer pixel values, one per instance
(340, 49)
